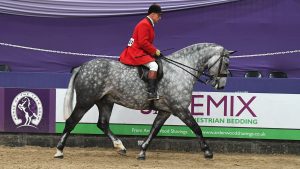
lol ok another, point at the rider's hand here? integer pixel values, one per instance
(161, 55)
(157, 53)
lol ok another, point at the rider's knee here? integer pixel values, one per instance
(153, 66)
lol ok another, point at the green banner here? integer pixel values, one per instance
(183, 131)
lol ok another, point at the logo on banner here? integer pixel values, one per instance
(26, 110)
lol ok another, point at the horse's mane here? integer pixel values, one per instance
(186, 50)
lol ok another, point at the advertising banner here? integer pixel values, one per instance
(28, 110)
(220, 114)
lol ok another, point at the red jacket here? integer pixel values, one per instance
(140, 49)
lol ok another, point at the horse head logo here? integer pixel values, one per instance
(27, 110)
(28, 113)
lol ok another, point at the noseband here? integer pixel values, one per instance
(211, 77)
(220, 67)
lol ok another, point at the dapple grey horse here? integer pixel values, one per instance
(105, 82)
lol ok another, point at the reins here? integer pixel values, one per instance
(181, 66)
(178, 64)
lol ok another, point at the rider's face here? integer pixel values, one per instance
(156, 17)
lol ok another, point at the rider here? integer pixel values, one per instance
(140, 49)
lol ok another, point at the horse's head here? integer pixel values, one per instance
(24, 105)
(218, 69)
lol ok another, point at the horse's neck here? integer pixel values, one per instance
(191, 57)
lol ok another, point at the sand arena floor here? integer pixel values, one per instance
(106, 158)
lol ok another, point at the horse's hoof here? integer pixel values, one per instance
(141, 157)
(208, 154)
(122, 152)
(59, 154)
(59, 157)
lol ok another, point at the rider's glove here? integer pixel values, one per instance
(161, 55)
(157, 53)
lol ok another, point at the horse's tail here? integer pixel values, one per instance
(68, 101)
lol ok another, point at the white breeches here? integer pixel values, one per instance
(152, 66)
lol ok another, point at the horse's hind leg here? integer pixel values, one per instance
(71, 122)
(156, 126)
(189, 120)
(105, 108)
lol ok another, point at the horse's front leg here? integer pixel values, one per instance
(189, 120)
(157, 124)
(105, 108)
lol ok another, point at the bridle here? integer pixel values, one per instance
(209, 77)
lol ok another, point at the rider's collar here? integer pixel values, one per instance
(151, 21)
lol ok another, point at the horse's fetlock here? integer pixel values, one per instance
(204, 146)
(60, 146)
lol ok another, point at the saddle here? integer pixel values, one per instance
(143, 71)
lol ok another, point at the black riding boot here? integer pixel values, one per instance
(152, 94)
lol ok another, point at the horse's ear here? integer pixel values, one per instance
(230, 52)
